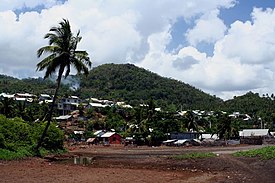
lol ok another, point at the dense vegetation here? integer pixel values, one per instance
(17, 138)
(30, 85)
(135, 85)
(126, 82)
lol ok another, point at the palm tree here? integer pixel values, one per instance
(7, 107)
(62, 54)
(227, 127)
(191, 121)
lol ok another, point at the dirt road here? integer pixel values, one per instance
(119, 164)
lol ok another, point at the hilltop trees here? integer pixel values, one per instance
(62, 55)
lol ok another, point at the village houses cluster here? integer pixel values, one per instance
(68, 120)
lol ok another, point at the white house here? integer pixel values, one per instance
(67, 105)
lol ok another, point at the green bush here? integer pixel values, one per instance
(18, 138)
(54, 138)
(15, 133)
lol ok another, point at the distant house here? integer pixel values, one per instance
(99, 133)
(67, 105)
(45, 98)
(254, 136)
(110, 138)
(24, 97)
(4, 95)
(97, 103)
(64, 121)
(254, 133)
(209, 136)
(185, 135)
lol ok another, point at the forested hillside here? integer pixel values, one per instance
(135, 85)
(251, 103)
(30, 85)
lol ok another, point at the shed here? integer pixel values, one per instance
(254, 133)
(254, 136)
(111, 138)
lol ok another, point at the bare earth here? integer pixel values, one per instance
(141, 164)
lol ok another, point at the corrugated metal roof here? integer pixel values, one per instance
(253, 132)
(63, 117)
(108, 134)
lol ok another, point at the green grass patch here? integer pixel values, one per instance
(24, 152)
(18, 154)
(264, 153)
(194, 155)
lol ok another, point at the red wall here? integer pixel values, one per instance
(115, 139)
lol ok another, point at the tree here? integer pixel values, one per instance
(62, 54)
(227, 127)
(191, 121)
(7, 107)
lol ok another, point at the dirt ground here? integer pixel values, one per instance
(141, 164)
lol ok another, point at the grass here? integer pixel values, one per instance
(24, 152)
(12, 155)
(194, 155)
(264, 153)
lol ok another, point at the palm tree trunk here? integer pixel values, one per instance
(39, 143)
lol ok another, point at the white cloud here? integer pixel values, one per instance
(139, 31)
(243, 60)
(209, 28)
(112, 31)
(252, 42)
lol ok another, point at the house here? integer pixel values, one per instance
(4, 95)
(64, 121)
(24, 97)
(97, 103)
(67, 105)
(254, 133)
(99, 133)
(209, 136)
(110, 138)
(45, 98)
(254, 136)
(185, 135)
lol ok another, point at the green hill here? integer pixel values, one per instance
(29, 85)
(126, 82)
(250, 103)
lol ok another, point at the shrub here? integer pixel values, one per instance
(53, 139)
(17, 138)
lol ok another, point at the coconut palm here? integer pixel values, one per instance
(227, 127)
(7, 107)
(62, 54)
(191, 119)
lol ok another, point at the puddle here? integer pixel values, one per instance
(82, 160)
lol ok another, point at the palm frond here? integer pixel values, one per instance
(47, 49)
(62, 49)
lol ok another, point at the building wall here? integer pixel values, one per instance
(115, 139)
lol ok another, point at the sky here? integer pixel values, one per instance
(222, 47)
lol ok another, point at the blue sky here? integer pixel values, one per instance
(223, 47)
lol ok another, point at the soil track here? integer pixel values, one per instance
(141, 164)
